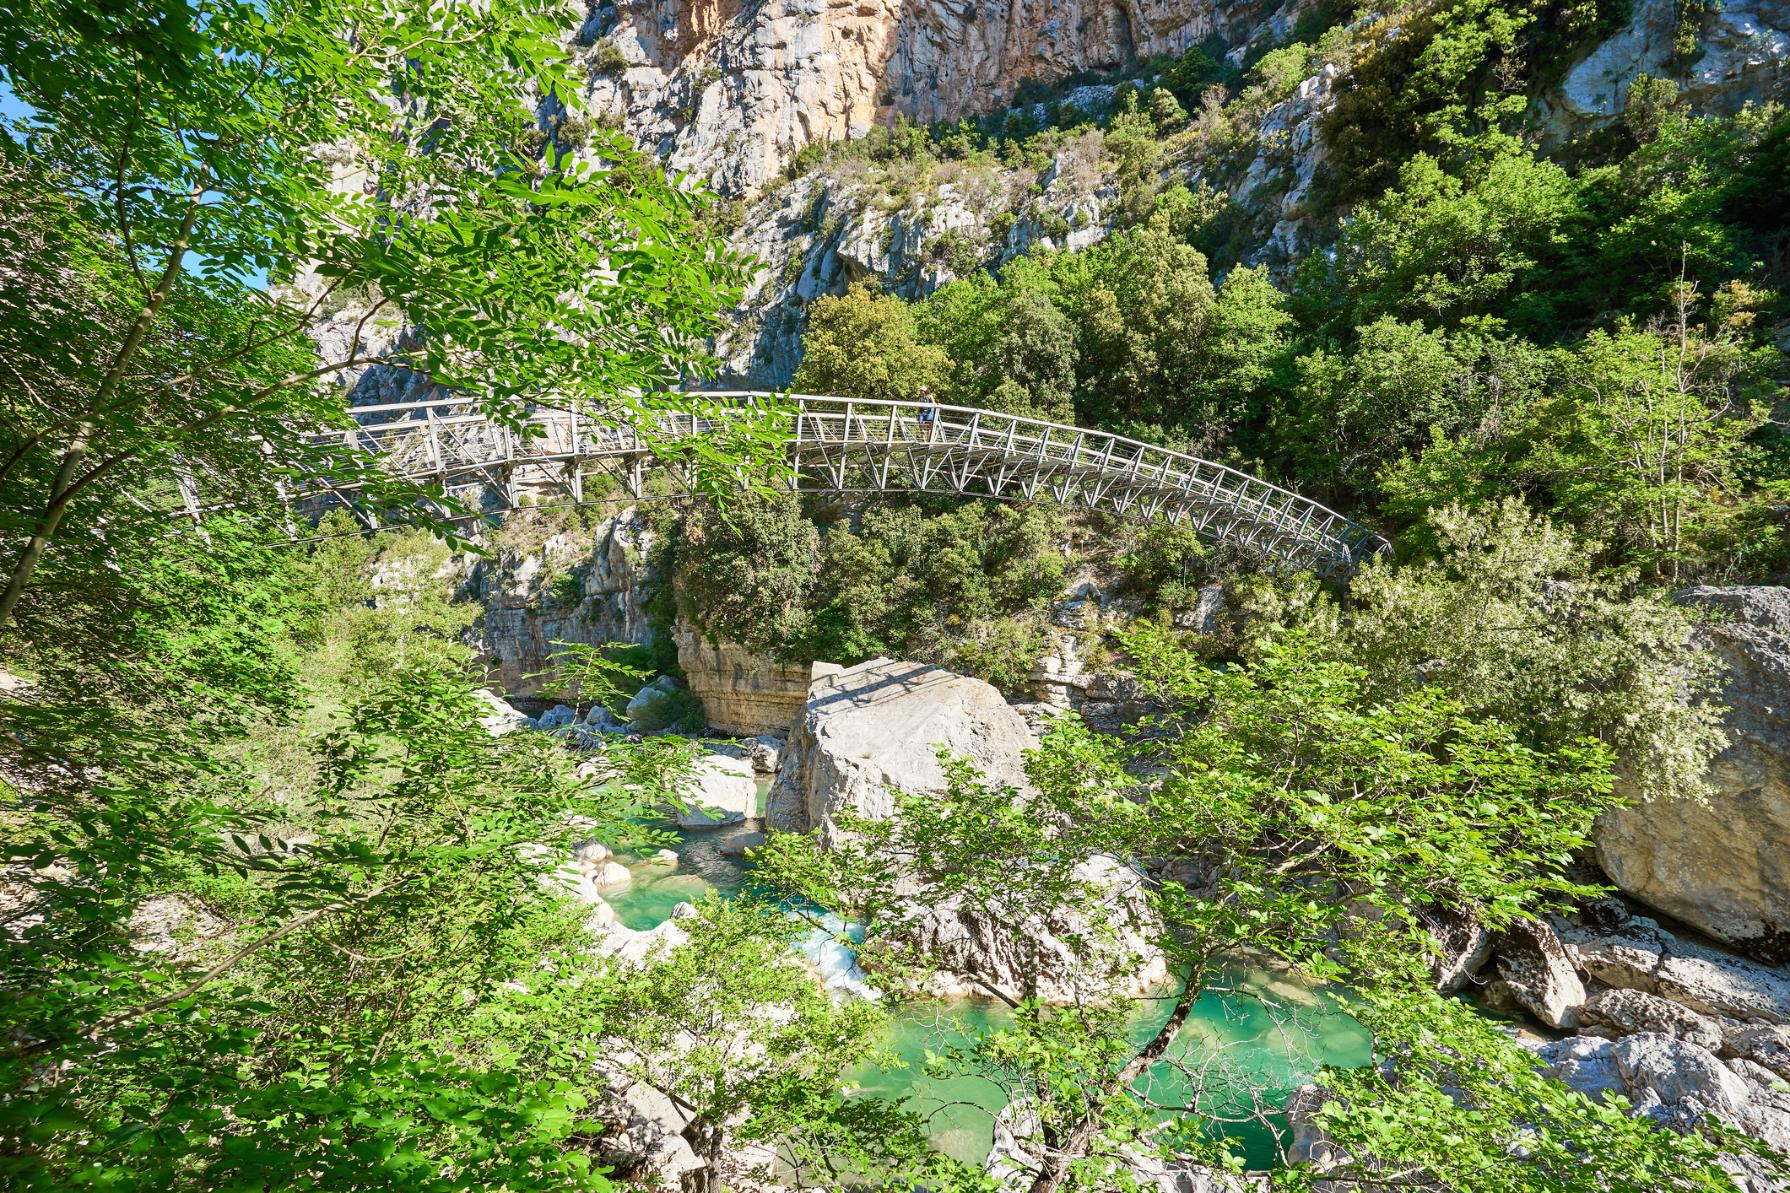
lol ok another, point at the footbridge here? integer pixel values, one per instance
(841, 445)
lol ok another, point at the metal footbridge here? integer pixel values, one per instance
(841, 445)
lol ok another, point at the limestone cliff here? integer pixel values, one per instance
(742, 692)
(586, 587)
(729, 91)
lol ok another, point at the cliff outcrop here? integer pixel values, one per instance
(1723, 865)
(729, 92)
(743, 693)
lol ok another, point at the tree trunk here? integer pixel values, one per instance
(1056, 1164)
(54, 508)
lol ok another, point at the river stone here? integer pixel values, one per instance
(876, 727)
(1641, 955)
(557, 717)
(609, 875)
(1538, 974)
(497, 715)
(590, 854)
(653, 707)
(765, 752)
(722, 791)
(1723, 866)
(1616, 1013)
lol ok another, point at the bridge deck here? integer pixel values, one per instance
(867, 446)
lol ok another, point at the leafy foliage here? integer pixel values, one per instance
(1277, 787)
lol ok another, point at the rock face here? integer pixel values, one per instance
(731, 91)
(743, 693)
(1641, 955)
(1743, 57)
(722, 791)
(867, 729)
(1680, 1086)
(1083, 957)
(1724, 866)
(587, 588)
(818, 234)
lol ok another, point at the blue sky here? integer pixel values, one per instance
(13, 108)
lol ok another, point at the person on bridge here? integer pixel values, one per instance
(929, 412)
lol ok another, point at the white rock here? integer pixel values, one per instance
(869, 729)
(765, 753)
(1640, 955)
(722, 791)
(591, 854)
(1538, 973)
(610, 875)
(1079, 955)
(1723, 866)
(499, 717)
(650, 708)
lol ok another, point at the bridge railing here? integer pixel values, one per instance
(1078, 451)
(451, 437)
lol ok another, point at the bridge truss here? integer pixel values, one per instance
(839, 445)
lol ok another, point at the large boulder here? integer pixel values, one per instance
(655, 706)
(1078, 955)
(497, 715)
(1536, 972)
(721, 791)
(1461, 945)
(877, 727)
(1723, 866)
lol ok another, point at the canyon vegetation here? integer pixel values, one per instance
(369, 825)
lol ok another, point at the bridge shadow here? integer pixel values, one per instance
(902, 679)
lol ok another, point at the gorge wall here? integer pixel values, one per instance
(730, 91)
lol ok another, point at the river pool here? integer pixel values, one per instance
(1262, 1034)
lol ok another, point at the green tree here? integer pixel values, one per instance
(864, 345)
(1441, 247)
(729, 1024)
(1513, 620)
(301, 145)
(745, 572)
(1143, 303)
(1647, 442)
(361, 1009)
(1035, 359)
(1289, 814)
